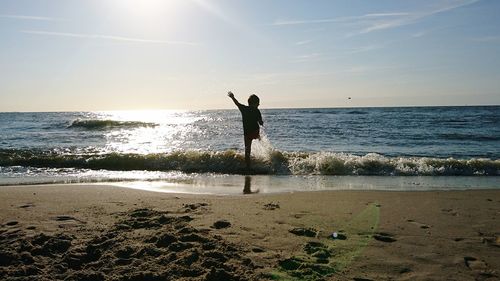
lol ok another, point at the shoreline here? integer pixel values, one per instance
(223, 184)
(402, 235)
(133, 185)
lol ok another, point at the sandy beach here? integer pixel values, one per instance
(97, 232)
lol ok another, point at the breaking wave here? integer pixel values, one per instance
(96, 124)
(272, 162)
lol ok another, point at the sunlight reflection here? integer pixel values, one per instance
(155, 131)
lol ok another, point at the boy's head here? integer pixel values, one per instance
(253, 100)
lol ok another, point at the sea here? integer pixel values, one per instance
(382, 148)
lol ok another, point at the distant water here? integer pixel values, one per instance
(184, 146)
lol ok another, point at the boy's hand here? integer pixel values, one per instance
(230, 94)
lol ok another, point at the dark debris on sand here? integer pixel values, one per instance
(299, 231)
(313, 264)
(221, 224)
(271, 206)
(143, 244)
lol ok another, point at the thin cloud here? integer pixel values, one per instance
(304, 42)
(362, 69)
(337, 20)
(419, 34)
(363, 49)
(380, 21)
(296, 22)
(280, 77)
(384, 15)
(414, 17)
(307, 57)
(486, 39)
(358, 69)
(337, 55)
(427, 31)
(107, 37)
(23, 17)
(314, 57)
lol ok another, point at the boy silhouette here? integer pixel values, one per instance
(251, 120)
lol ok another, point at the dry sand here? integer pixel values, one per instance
(92, 232)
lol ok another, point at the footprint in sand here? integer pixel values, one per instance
(450, 212)
(421, 225)
(27, 205)
(384, 237)
(67, 218)
(299, 231)
(313, 263)
(11, 223)
(492, 241)
(221, 224)
(319, 251)
(258, 250)
(475, 264)
(480, 267)
(300, 215)
(195, 207)
(117, 203)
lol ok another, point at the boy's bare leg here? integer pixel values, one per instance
(248, 150)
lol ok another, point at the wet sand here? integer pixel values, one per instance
(92, 232)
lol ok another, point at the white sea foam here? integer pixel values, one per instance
(266, 160)
(262, 148)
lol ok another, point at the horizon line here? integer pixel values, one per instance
(264, 108)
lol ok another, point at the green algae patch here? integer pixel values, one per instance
(301, 268)
(359, 232)
(322, 257)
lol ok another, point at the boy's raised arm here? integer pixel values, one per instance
(231, 95)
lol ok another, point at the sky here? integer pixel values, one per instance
(72, 55)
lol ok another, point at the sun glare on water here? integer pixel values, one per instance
(154, 131)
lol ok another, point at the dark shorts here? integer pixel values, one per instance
(252, 135)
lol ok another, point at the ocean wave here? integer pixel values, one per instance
(325, 163)
(322, 111)
(273, 162)
(469, 137)
(357, 112)
(97, 124)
